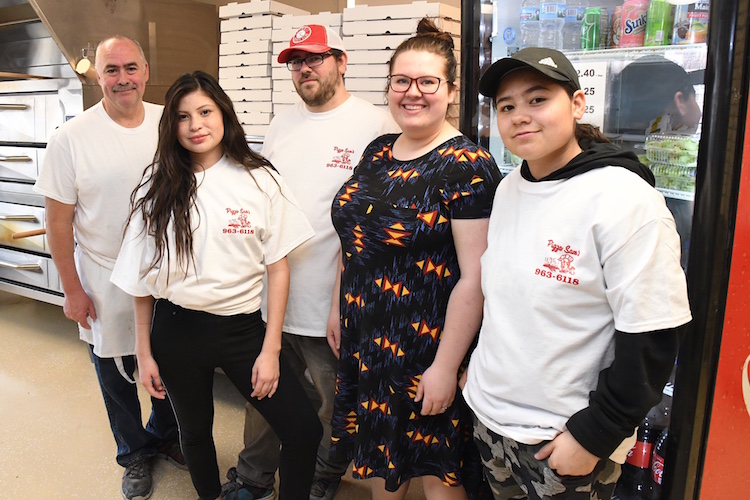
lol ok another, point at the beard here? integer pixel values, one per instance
(327, 86)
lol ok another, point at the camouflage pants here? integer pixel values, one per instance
(514, 473)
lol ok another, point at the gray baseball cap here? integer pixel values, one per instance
(549, 62)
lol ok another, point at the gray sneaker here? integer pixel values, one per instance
(324, 489)
(136, 481)
(236, 489)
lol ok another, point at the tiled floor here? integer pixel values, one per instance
(55, 441)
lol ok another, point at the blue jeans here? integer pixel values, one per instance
(259, 460)
(124, 411)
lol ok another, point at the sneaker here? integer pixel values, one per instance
(136, 481)
(324, 489)
(236, 489)
(172, 453)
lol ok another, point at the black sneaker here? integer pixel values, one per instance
(236, 489)
(324, 489)
(172, 453)
(136, 481)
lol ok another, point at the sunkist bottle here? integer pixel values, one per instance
(551, 21)
(633, 23)
(659, 22)
(574, 10)
(529, 23)
(635, 482)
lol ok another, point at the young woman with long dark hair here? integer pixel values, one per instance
(209, 218)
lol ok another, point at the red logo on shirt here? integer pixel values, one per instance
(560, 264)
(342, 158)
(239, 222)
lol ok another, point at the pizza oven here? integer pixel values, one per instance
(41, 42)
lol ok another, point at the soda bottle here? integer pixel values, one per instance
(529, 23)
(551, 21)
(574, 10)
(633, 23)
(657, 464)
(603, 28)
(635, 481)
(615, 27)
(659, 22)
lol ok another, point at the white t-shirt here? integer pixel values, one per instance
(316, 153)
(242, 224)
(567, 263)
(95, 164)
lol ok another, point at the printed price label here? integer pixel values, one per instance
(593, 79)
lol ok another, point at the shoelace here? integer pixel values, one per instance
(137, 470)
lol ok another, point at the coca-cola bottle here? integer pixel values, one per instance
(657, 464)
(635, 482)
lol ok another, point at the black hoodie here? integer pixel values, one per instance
(595, 155)
(628, 388)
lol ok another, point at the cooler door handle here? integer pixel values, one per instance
(30, 218)
(15, 159)
(13, 107)
(21, 267)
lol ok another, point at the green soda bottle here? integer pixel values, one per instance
(659, 21)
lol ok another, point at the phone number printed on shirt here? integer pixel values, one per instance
(560, 265)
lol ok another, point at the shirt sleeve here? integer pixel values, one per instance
(471, 183)
(288, 226)
(132, 260)
(646, 286)
(57, 178)
(626, 390)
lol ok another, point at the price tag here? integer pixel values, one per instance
(592, 76)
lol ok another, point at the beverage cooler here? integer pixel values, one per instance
(667, 79)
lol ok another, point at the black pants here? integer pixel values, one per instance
(188, 346)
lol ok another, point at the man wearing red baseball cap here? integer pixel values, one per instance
(315, 145)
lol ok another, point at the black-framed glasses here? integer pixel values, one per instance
(425, 84)
(312, 60)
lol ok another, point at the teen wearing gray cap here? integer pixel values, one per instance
(584, 295)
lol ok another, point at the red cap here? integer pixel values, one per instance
(312, 38)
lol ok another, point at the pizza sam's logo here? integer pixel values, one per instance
(560, 266)
(342, 158)
(302, 34)
(239, 222)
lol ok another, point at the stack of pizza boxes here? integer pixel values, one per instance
(245, 54)
(372, 33)
(284, 27)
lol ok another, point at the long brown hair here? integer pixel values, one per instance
(170, 181)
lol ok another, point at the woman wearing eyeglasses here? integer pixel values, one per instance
(412, 221)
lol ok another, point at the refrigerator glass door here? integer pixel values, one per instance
(647, 99)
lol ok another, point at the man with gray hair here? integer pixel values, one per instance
(92, 165)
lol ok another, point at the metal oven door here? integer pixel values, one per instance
(21, 226)
(29, 117)
(20, 163)
(27, 269)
